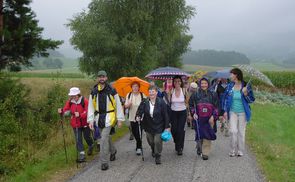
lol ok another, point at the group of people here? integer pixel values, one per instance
(167, 111)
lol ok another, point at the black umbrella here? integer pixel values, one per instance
(165, 73)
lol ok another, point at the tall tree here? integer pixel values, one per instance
(21, 35)
(130, 37)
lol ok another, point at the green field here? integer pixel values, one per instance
(271, 137)
(264, 66)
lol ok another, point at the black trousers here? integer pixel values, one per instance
(178, 120)
(136, 133)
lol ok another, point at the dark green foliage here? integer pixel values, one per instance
(131, 37)
(215, 58)
(25, 123)
(22, 35)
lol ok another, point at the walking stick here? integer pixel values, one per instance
(199, 142)
(140, 132)
(63, 134)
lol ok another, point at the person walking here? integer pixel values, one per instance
(152, 113)
(133, 100)
(77, 107)
(237, 97)
(178, 103)
(204, 108)
(105, 109)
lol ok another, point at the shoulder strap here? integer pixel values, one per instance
(129, 95)
(83, 102)
(141, 94)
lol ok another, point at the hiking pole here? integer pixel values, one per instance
(140, 132)
(199, 142)
(63, 134)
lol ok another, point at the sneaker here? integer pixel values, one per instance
(205, 157)
(90, 149)
(104, 166)
(232, 154)
(138, 151)
(240, 154)
(113, 156)
(81, 157)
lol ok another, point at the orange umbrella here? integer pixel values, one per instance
(123, 85)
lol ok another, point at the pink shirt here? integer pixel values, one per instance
(178, 103)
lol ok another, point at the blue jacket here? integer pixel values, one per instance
(246, 100)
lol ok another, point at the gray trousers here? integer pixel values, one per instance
(155, 141)
(106, 145)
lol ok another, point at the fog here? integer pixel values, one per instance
(263, 29)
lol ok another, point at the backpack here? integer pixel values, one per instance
(129, 96)
(141, 94)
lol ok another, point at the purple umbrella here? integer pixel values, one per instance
(219, 74)
(165, 73)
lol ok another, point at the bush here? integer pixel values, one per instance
(25, 124)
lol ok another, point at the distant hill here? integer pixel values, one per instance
(215, 58)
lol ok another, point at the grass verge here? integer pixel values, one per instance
(271, 137)
(53, 166)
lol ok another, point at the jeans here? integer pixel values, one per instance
(86, 133)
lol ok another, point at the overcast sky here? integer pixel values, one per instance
(258, 28)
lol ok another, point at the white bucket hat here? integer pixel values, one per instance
(194, 85)
(74, 91)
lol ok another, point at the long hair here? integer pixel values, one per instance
(238, 73)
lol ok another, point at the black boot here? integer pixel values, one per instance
(113, 156)
(158, 159)
(104, 166)
(205, 157)
(90, 149)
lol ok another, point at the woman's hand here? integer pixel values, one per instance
(196, 117)
(245, 91)
(128, 105)
(137, 118)
(59, 110)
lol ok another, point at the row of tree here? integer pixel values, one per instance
(215, 58)
(131, 36)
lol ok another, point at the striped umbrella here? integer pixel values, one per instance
(165, 73)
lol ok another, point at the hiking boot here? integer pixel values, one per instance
(90, 149)
(98, 147)
(199, 151)
(113, 156)
(158, 159)
(179, 152)
(81, 157)
(104, 166)
(205, 157)
(138, 151)
(131, 137)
